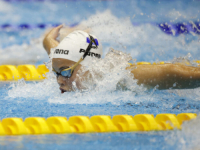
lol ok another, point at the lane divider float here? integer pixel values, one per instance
(33, 73)
(94, 124)
(28, 72)
(26, 26)
(168, 28)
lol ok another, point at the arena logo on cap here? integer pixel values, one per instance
(61, 51)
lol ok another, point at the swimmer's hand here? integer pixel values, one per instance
(50, 39)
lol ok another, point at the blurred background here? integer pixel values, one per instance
(157, 30)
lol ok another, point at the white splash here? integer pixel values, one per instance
(35, 90)
(193, 94)
(108, 78)
(25, 53)
(145, 42)
(188, 137)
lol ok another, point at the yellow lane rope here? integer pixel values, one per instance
(31, 73)
(94, 124)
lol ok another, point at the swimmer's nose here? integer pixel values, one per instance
(61, 80)
(65, 84)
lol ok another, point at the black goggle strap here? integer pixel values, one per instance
(92, 40)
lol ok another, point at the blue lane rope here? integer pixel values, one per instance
(23, 26)
(171, 29)
(180, 28)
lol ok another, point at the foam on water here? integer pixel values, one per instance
(24, 54)
(107, 77)
(145, 42)
(188, 137)
(109, 82)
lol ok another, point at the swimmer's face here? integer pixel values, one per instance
(58, 65)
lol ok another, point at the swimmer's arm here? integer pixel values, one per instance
(50, 39)
(167, 76)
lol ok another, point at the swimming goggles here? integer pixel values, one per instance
(69, 71)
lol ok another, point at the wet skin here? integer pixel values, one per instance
(59, 63)
(65, 84)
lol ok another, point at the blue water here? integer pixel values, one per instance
(129, 26)
(153, 140)
(27, 107)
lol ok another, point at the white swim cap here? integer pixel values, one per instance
(74, 45)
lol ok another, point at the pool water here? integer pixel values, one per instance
(134, 27)
(161, 103)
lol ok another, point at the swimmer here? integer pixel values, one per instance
(78, 48)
